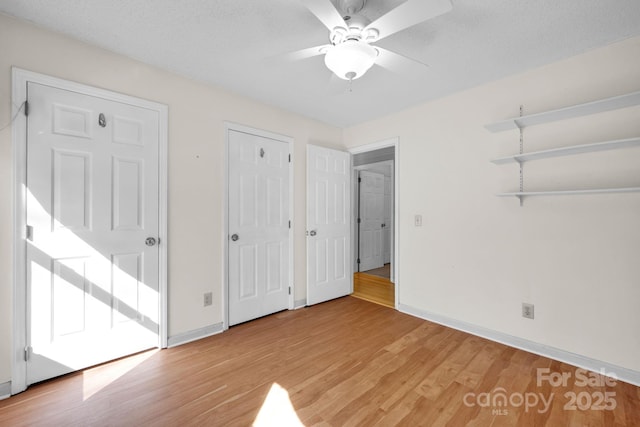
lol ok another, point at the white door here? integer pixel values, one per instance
(388, 222)
(258, 226)
(92, 201)
(328, 224)
(371, 219)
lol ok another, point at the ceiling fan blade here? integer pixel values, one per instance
(399, 64)
(408, 14)
(325, 12)
(306, 53)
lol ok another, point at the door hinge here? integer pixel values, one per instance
(289, 290)
(29, 232)
(26, 108)
(289, 158)
(358, 261)
(289, 223)
(27, 353)
(359, 179)
(359, 220)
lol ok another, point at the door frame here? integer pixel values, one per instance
(395, 263)
(20, 78)
(231, 126)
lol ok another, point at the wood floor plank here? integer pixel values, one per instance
(373, 288)
(441, 378)
(346, 362)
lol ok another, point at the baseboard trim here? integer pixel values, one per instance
(623, 374)
(301, 303)
(194, 335)
(5, 390)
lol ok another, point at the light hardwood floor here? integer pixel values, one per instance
(374, 289)
(384, 271)
(342, 363)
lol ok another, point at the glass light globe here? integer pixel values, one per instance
(350, 59)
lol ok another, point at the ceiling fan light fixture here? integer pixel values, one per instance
(350, 59)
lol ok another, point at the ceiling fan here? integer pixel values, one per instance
(350, 53)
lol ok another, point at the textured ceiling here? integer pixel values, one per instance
(241, 45)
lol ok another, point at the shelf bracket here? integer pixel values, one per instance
(521, 152)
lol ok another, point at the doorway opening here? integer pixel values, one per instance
(374, 223)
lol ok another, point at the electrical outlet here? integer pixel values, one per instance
(418, 221)
(208, 298)
(527, 310)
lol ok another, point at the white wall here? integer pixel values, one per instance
(196, 148)
(478, 257)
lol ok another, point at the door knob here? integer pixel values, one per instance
(150, 241)
(312, 233)
(234, 237)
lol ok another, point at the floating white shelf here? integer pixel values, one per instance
(567, 151)
(571, 192)
(608, 104)
(614, 103)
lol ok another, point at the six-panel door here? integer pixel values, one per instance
(328, 224)
(371, 219)
(92, 201)
(258, 226)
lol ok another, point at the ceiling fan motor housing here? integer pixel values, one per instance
(355, 31)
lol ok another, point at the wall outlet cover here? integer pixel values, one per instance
(208, 298)
(527, 310)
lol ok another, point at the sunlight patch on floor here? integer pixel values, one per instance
(96, 379)
(277, 410)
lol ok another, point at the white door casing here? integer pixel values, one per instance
(259, 226)
(328, 224)
(371, 220)
(92, 200)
